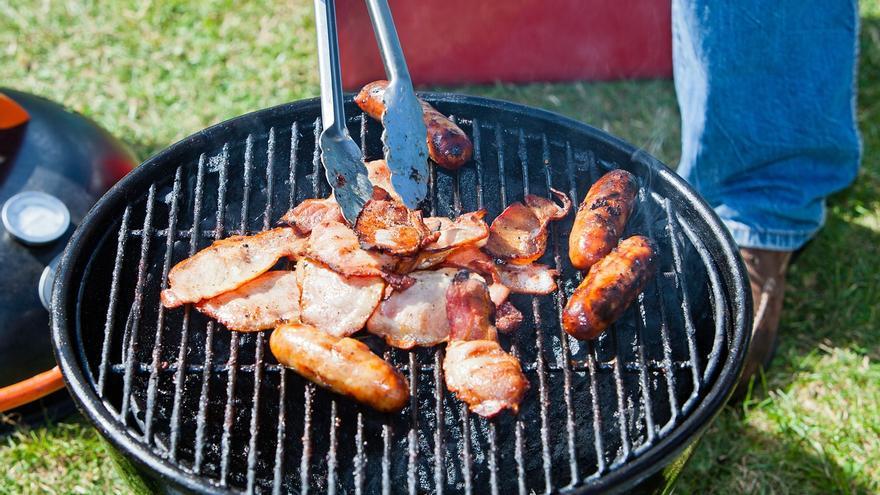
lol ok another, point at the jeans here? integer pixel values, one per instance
(767, 97)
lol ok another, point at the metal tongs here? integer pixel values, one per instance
(345, 169)
(405, 149)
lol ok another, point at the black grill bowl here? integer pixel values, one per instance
(202, 409)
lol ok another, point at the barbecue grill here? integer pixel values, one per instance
(198, 408)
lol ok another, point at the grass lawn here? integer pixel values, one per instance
(154, 72)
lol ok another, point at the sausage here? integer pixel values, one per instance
(448, 145)
(609, 288)
(601, 218)
(343, 365)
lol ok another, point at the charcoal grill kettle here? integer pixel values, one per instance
(193, 407)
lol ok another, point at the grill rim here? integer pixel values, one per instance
(90, 231)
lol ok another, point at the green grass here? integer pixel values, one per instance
(154, 72)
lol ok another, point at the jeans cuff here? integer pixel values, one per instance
(773, 240)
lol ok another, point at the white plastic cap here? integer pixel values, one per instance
(35, 217)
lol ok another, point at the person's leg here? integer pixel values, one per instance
(767, 99)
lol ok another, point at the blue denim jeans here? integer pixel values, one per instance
(767, 96)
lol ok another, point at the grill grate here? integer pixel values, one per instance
(218, 406)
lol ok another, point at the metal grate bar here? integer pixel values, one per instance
(493, 458)
(294, 162)
(278, 471)
(331, 453)
(467, 458)
(621, 402)
(514, 349)
(680, 280)
(478, 163)
(201, 417)
(412, 435)
(641, 326)
(255, 422)
(131, 343)
(234, 337)
(493, 447)
(304, 465)
(318, 180)
(563, 336)
(490, 426)
(114, 300)
(160, 319)
(306, 439)
(675, 409)
(386, 449)
(540, 364)
(591, 350)
(716, 300)
(184, 331)
(439, 456)
(360, 459)
(439, 388)
(281, 429)
(261, 342)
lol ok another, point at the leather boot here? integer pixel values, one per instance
(767, 277)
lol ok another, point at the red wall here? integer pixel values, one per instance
(479, 41)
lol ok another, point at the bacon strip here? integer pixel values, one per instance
(507, 317)
(469, 308)
(264, 302)
(311, 212)
(335, 304)
(380, 176)
(519, 234)
(391, 227)
(534, 278)
(227, 264)
(415, 316)
(335, 245)
(468, 229)
(483, 376)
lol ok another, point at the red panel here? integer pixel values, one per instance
(477, 41)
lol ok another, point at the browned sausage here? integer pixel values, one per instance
(610, 287)
(343, 365)
(448, 145)
(601, 218)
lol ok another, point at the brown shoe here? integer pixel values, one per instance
(767, 276)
